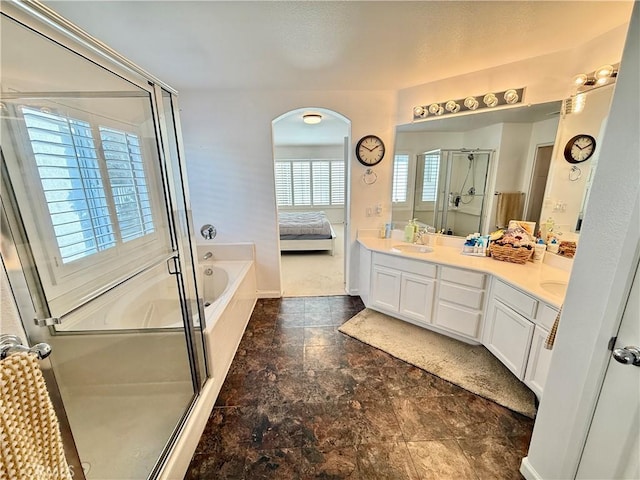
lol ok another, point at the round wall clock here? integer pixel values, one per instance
(580, 148)
(370, 150)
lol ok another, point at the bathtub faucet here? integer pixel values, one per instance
(207, 256)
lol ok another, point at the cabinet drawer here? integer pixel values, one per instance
(458, 319)
(546, 316)
(463, 277)
(468, 297)
(405, 264)
(520, 302)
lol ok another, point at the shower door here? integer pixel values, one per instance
(95, 239)
(450, 190)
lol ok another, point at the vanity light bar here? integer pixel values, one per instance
(512, 96)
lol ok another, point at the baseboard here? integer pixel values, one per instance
(179, 458)
(269, 294)
(527, 470)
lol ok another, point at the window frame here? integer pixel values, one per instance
(310, 161)
(138, 251)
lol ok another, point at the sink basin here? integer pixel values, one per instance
(555, 288)
(411, 248)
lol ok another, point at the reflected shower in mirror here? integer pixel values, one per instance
(435, 181)
(450, 190)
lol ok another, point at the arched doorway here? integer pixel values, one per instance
(311, 153)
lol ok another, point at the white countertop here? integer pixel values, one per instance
(527, 277)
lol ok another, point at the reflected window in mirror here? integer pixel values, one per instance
(399, 194)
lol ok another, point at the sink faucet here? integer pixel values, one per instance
(207, 256)
(428, 230)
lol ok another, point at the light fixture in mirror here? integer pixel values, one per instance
(605, 75)
(508, 97)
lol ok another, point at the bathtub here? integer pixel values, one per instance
(150, 301)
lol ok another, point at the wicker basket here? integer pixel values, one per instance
(507, 253)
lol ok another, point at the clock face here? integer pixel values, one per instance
(579, 148)
(370, 150)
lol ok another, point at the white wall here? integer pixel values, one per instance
(600, 279)
(228, 145)
(547, 78)
(561, 190)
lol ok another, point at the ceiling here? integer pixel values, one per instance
(334, 45)
(337, 45)
(291, 130)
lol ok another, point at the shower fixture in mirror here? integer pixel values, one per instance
(450, 189)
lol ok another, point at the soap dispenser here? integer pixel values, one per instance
(410, 231)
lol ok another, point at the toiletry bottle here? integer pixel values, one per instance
(409, 232)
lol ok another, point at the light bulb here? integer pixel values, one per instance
(511, 97)
(490, 100)
(419, 112)
(452, 106)
(440, 111)
(471, 103)
(433, 108)
(580, 79)
(604, 71)
(602, 80)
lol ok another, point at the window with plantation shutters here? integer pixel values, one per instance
(309, 183)
(430, 177)
(93, 181)
(400, 178)
(128, 183)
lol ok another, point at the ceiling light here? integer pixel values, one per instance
(312, 118)
(511, 96)
(471, 103)
(604, 71)
(490, 100)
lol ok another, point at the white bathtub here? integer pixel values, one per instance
(150, 301)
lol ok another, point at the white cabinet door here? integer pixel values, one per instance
(507, 335)
(538, 364)
(458, 319)
(416, 297)
(385, 288)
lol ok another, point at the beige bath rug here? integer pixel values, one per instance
(470, 367)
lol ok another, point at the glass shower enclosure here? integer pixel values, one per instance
(450, 192)
(97, 244)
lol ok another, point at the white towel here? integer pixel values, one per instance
(30, 441)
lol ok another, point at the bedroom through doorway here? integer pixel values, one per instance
(310, 158)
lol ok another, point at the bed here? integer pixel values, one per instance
(301, 231)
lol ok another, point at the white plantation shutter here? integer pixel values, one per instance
(284, 186)
(69, 172)
(128, 183)
(95, 187)
(321, 180)
(301, 183)
(400, 178)
(309, 182)
(337, 182)
(430, 177)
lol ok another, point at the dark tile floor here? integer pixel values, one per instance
(304, 401)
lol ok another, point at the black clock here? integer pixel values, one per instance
(580, 148)
(370, 150)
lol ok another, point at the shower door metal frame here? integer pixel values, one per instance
(31, 302)
(442, 191)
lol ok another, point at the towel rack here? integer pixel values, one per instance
(12, 344)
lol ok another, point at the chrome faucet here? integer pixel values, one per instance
(207, 256)
(428, 230)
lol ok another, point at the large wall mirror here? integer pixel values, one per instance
(450, 172)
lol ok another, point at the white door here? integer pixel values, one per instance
(612, 449)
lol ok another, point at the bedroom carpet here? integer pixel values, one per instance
(470, 367)
(310, 274)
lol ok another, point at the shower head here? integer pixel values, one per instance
(470, 157)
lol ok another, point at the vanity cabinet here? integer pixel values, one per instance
(539, 360)
(402, 286)
(460, 301)
(507, 335)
